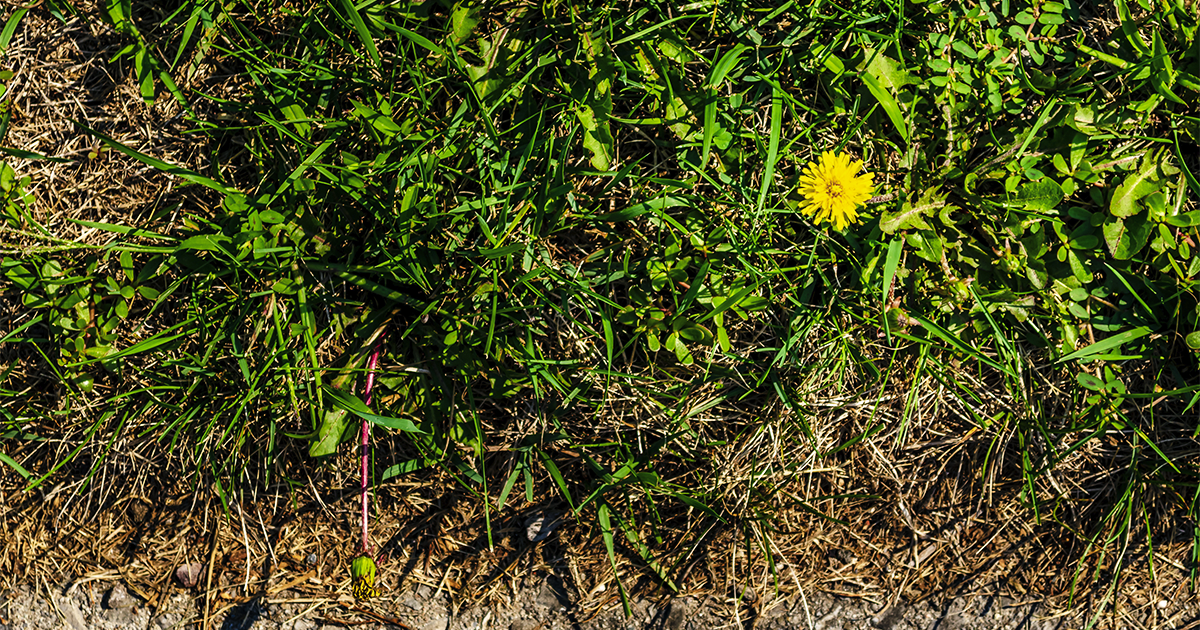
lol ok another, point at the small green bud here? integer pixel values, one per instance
(362, 574)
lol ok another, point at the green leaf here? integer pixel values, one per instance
(1193, 340)
(381, 123)
(887, 102)
(1107, 344)
(1137, 184)
(1126, 237)
(1042, 195)
(910, 216)
(462, 23)
(329, 435)
(887, 71)
(695, 333)
(357, 407)
(206, 243)
(1187, 219)
(594, 110)
(1085, 241)
(22, 277)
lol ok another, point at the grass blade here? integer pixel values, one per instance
(178, 171)
(772, 146)
(1106, 344)
(364, 35)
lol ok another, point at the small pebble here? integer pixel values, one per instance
(118, 597)
(189, 574)
(540, 525)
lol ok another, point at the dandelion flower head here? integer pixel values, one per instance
(362, 574)
(833, 189)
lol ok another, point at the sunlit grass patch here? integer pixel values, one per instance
(596, 243)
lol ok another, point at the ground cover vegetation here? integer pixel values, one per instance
(581, 234)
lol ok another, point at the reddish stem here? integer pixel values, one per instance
(366, 450)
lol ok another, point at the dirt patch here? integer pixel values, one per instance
(290, 569)
(69, 77)
(546, 603)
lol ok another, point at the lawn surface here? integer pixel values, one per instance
(582, 238)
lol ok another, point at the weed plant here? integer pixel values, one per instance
(579, 226)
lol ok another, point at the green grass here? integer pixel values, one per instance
(581, 224)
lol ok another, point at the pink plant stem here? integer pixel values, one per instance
(366, 450)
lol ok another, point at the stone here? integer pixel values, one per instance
(436, 623)
(540, 525)
(553, 593)
(118, 597)
(189, 574)
(72, 615)
(119, 617)
(888, 617)
(678, 613)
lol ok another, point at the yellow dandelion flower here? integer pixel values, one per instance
(833, 189)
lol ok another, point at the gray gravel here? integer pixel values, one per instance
(546, 604)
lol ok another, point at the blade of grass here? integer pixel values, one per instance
(772, 147)
(890, 107)
(10, 27)
(12, 463)
(1106, 344)
(606, 532)
(364, 35)
(158, 164)
(895, 248)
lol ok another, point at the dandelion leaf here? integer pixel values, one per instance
(887, 71)
(333, 426)
(912, 215)
(909, 216)
(1126, 237)
(594, 109)
(1044, 194)
(1138, 184)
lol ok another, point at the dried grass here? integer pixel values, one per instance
(931, 506)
